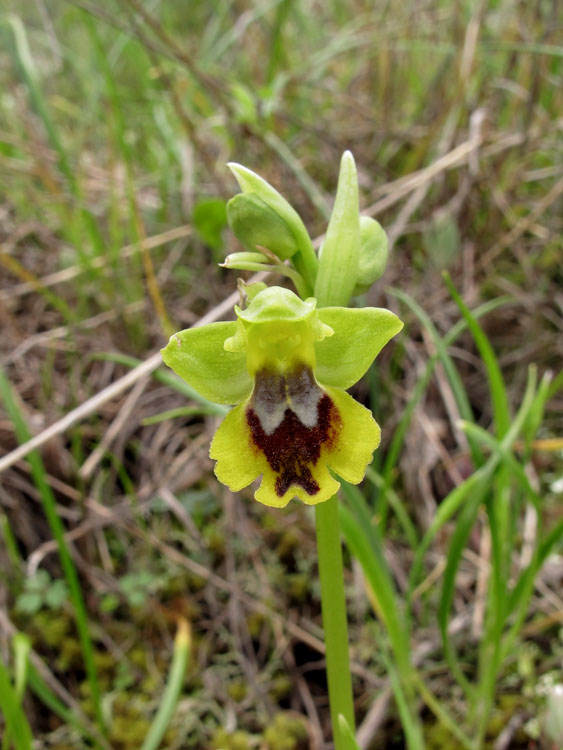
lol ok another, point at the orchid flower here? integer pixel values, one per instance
(286, 365)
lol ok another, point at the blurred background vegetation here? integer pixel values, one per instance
(117, 119)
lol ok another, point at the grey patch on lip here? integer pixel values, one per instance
(274, 394)
(269, 400)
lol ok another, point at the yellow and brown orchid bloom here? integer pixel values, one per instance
(286, 364)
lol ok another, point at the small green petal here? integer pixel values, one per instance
(358, 438)
(198, 356)
(238, 463)
(359, 336)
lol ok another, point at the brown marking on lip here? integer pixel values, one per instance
(292, 447)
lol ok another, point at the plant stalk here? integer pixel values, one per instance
(334, 618)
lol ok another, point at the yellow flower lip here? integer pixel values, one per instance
(292, 421)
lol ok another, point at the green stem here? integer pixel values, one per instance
(334, 618)
(329, 550)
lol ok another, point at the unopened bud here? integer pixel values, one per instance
(241, 260)
(374, 251)
(338, 266)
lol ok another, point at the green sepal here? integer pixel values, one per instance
(374, 251)
(359, 336)
(199, 357)
(337, 275)
(254, 222)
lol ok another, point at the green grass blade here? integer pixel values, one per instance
(457, 544)
(409, 722)
(377, 575)
(17, 725)
(458, 389)
(499, 396)
(278, 51)
(347, 735)
(447, 508)
(10, 543)
(445, 719)
(463, 529)
(364, 542)
(28, 72)
(521, 594)
(57, 529)
(307, 183)
(26, 67)
(40, 688)
(505, 455)
(398, 438)
(22, 647)
(397, 506)
(362, 538)
(182, 647)
(519, 598)
(545, 392)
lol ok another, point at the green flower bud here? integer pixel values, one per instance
(305, 260)
(374, 251)
(338, 264)
(254, 223)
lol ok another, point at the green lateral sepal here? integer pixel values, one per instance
(198, 356)
(359, 335)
